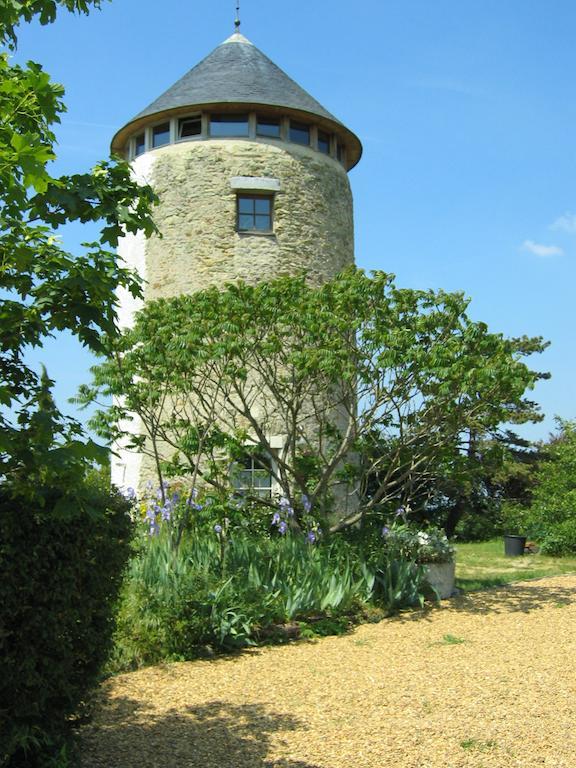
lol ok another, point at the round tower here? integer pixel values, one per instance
(251, 174)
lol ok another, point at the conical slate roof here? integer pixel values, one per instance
(237, 72)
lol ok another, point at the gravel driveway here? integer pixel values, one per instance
(483, 681)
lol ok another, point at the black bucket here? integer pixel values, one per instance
(514, 545)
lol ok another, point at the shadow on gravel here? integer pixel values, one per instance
(126, 734)
(514, 598)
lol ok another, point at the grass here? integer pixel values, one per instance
(483, 564)
(452, 640)
(478, 745)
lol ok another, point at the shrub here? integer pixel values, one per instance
(560, 539)
(226, 587)
(60, 573)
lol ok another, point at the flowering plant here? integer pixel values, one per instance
(406, 542)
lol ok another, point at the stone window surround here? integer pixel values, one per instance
(263, 186)
(252, 135)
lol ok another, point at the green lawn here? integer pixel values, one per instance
(484, 564)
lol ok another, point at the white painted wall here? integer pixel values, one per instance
(125, 464)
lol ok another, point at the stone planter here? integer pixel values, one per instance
(441, 577)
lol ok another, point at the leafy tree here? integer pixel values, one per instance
(373, 389)
(63, 542)
(44, 287)
(553, 512)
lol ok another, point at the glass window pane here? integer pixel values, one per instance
(189, 126)
(246, 204)
(261, 478)
(262, 222)
(268, 127)
(324, 142)
(229, 125)
(140, 144)
(299, 133)
(161, 135)
(246, 221)
(262, 205)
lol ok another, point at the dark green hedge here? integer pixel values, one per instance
(60, 572)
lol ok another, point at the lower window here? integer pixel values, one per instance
(253, 475)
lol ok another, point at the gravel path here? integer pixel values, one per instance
(484, 681)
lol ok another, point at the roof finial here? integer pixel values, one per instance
(237, 22)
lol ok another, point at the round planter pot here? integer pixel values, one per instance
(514, 545)
(441, 577)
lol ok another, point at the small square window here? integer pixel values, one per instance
(253, 475)
(189, 126)
(267, 126)
(254, 213)
(299, 133)
(140, 144)
(324, 142)
(161, 135)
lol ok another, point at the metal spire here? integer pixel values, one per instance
(237, 22)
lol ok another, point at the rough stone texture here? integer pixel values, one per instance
(200, 247)
(313, 228)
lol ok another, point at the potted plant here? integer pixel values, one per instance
(429, 548)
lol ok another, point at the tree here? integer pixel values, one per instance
(373, 389)
(44, 287)
(553, 510)
(63, 542)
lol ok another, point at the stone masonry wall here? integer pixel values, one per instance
(313, 227)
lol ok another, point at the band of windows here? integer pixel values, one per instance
(242, 125)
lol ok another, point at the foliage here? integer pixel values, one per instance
(45, 288)
(515, 519)
(467, 497)
(554, 500)
(227, 587)
(407, 542)
(61, 564)
(376, 388)
(13, 12)
(560, 539)
(63, 542)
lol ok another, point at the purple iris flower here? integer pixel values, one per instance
(130, 494)
(306, 503)
(218, 528)
(311, 537)
(283, 527)
(276, 518)
(400, 511)
(385, 531)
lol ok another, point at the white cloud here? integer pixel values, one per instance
(566, 223)
(544, 251)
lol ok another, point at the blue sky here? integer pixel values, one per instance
(466, 111)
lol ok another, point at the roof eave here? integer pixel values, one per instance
(352, 142)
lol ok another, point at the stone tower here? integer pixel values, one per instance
(251, 173)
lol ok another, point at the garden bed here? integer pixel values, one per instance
(485, 680)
